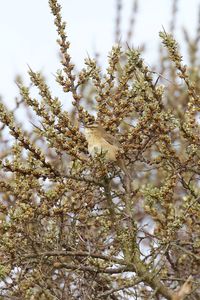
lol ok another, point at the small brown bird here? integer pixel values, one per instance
(100, 141)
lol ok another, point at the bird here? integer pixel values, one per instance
(101, 142)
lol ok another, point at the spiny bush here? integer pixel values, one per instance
(71, 226)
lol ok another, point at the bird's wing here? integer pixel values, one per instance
(112, 140)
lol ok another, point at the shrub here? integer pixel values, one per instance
(76, 227)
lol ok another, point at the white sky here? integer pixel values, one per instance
(28, 35)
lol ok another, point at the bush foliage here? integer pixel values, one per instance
(71, 227)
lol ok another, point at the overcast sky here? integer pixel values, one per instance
(28, 35)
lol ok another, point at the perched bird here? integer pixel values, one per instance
(101, 142)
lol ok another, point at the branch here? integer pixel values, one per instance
(59, 265)
(79, 253)
(184, 290)
(125, 286)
